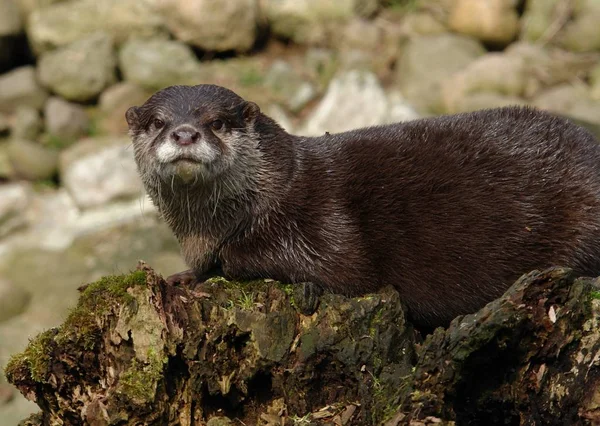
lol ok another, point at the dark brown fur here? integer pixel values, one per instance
(448, 210)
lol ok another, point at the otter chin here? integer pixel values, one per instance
(187, 170)
(449, 210)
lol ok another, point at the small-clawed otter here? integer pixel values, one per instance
(448, 210)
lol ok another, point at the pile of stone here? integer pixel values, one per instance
(70, 68)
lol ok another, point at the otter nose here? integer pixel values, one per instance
(185, 136)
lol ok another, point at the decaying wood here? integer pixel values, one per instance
(137, 351)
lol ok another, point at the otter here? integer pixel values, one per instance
(449, 210)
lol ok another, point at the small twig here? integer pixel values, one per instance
(562, 14)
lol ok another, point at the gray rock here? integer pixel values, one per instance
(19, 87)
(4, 123)
(484, 100)
(278, 114)
(10, 18)
(492, 21)
(27, 123)
(52, 218)
(308, 21)
(422, 23)
(14, 200)
(213, 24)
(353, 99)
(32, 160)
(121, 93)
(496, 73)
(28, 6)
(66, 22)
(537, 19)
(158, 63)
(290, 88)
(7, 170)
(360, 34)
(65, 120)
(13, 300)
(570, 100)
(96, 171)
(427, 60)
(114, 102)
(595, 82)
(399, 109)
(582, 32)
(81, 70)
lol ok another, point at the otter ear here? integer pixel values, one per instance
(132, 117)
(250, 112)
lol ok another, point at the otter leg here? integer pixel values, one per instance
(182, 278)
(192, 276)
(306, 297)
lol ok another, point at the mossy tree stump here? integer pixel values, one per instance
(137, 351)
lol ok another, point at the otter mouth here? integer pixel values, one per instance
(184, 160)
(187, 169)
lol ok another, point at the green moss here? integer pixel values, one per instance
(97, 300)
(139, 380)
(34, 360)
(43, 184)
(56, 142)
(404, 6)
(595, 294)
(251, 77)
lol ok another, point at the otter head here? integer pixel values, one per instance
(192, 133)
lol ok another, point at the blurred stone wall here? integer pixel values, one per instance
(71, 205)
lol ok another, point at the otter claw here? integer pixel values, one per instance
(185, 278)
(306, 297)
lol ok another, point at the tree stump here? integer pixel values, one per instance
(138, 351)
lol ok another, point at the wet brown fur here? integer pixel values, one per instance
(448, 210)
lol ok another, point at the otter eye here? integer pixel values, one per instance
(158, 123)
(216, 125)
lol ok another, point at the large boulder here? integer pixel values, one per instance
(27, 123)
(14, 199)
(572, 100)
(427, 60)
(312, 21)
(65, 120)
(538, 18)
(492, 21)
(98, 170)
(114, 102)
(158, 63)
(28, 6)
(570, 24)
(354, 99)
(213, 25)
(66, 22)
(582, 32)
(595, 82)
(32, 160)
(292, 90)
(10, 18)
(19, 87)
(81, 70)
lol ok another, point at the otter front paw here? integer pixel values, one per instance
(306, 297)
(186, 278)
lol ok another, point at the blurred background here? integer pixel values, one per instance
(71, 205)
